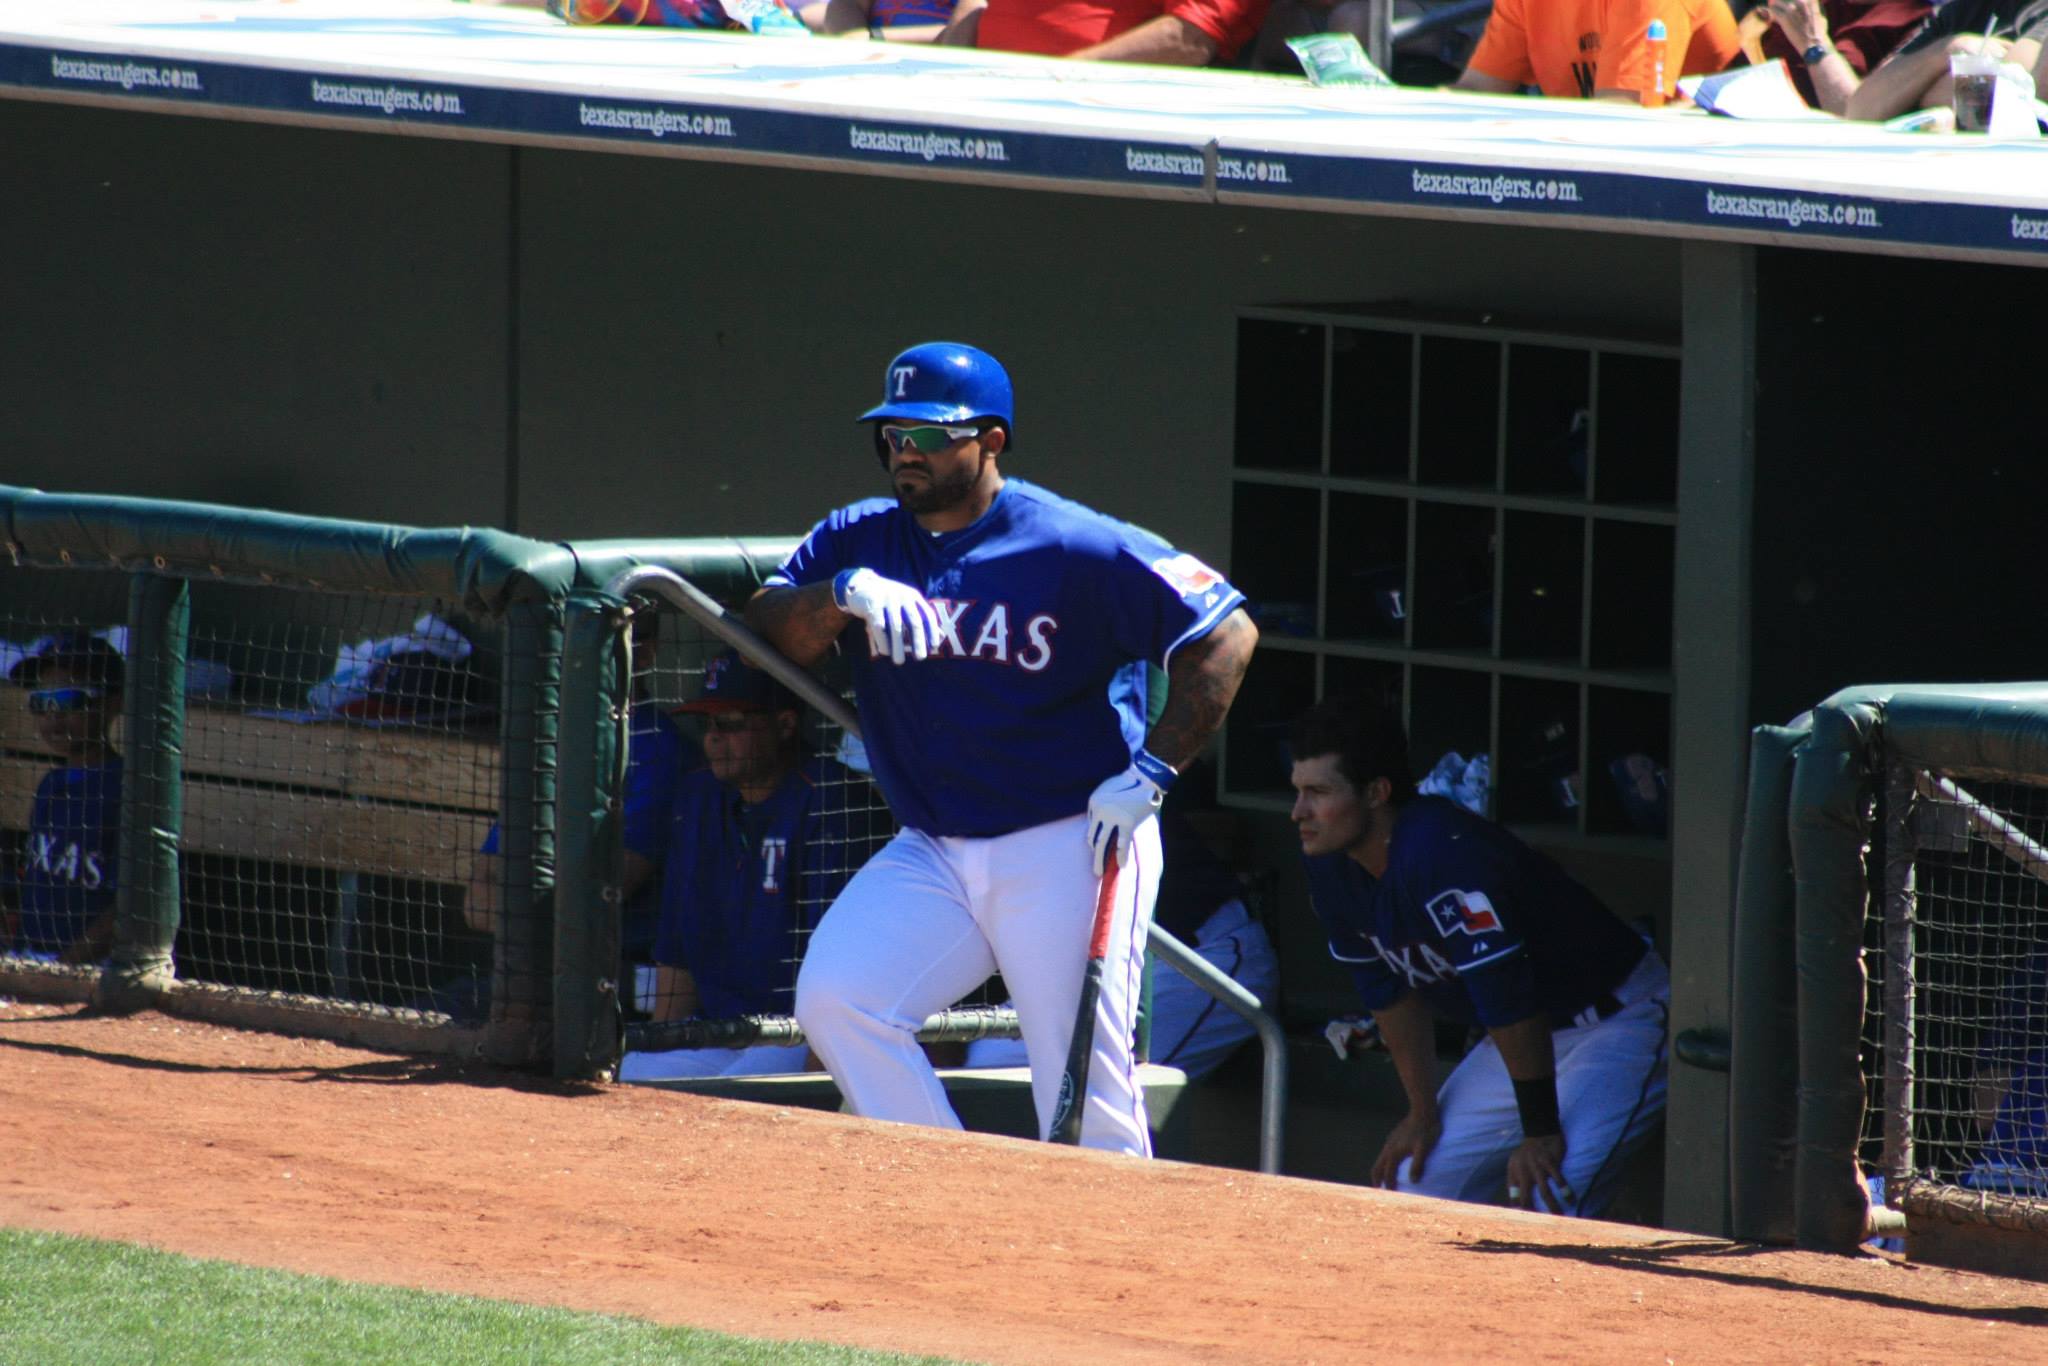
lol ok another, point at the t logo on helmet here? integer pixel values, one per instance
(903, 374)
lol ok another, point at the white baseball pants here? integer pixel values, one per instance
(929, 918)
(1610, 1093)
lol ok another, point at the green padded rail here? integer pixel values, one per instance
(484, 570)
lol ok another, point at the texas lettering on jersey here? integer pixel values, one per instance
(1028, 645)
(1431, 968)
(72, 862)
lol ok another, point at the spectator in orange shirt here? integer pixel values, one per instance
(1596, 49)
(1168, 32)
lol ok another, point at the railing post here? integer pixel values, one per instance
(146, 902)
(1901, 897)
(523, 948)
(589, 846)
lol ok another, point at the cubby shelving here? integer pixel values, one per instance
(1471, 520)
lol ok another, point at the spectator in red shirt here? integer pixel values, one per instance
(1169, 32)
(1829, 46)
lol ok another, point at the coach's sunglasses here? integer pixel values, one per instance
(924, 440)
(56, 701)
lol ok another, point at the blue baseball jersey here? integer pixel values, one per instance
(2018, 1043)
(657, 756)
(741, 882)
(1487, 929)
(1035, 692)
(66, 876)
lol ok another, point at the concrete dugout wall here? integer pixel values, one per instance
(326, 322)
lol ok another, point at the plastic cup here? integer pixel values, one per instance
(1975, 77)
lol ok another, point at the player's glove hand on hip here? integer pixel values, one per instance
(1121, 804)
(900, 621)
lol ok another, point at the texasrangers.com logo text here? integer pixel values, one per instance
(1495, 189)
(656, 123)
(387, 99)
(927, 145)
(127, 75)
(1792, 212)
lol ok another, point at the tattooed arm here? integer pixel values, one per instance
(1201, 679)
(800, 622)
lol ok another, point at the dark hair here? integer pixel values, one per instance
(1366, 738)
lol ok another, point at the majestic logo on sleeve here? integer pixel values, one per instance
(1469, 913)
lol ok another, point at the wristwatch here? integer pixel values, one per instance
(1816, 54)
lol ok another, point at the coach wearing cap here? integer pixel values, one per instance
(57, 901)
(762, 838)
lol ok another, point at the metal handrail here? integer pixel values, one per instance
(706, 611)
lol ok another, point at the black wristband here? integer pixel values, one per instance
(1536, 1098)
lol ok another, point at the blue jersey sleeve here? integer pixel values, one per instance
(1161, 597)
(826, 550)
(656, 758)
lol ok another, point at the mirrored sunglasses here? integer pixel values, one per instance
(926, 440)
(52, 701)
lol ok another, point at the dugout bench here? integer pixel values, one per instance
(330, 809)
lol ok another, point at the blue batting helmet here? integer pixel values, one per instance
(944, 382)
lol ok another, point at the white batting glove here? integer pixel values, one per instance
(1352, 1031)
(1121, 804)
(900, 621)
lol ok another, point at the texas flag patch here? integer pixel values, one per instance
(1187, 574)
(1456, 912)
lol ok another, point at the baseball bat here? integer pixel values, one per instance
(1073, 1097)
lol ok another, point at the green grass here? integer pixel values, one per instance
(72, 1301)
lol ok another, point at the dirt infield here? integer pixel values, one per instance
(795, 1224)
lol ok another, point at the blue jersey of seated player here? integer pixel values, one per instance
(1487, 929)
(657, 755)
(1036, 689)
(740, 883)
(66, 876)
(2018, 1044)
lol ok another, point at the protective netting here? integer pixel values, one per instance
(1965, 1083)
(771, 814)
(340, 775)
(341, 788)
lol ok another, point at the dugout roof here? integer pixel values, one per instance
(455, 70)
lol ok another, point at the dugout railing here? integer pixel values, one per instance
(1890, 997)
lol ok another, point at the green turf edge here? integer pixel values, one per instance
(68, 1301)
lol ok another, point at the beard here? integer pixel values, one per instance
(935, 493)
